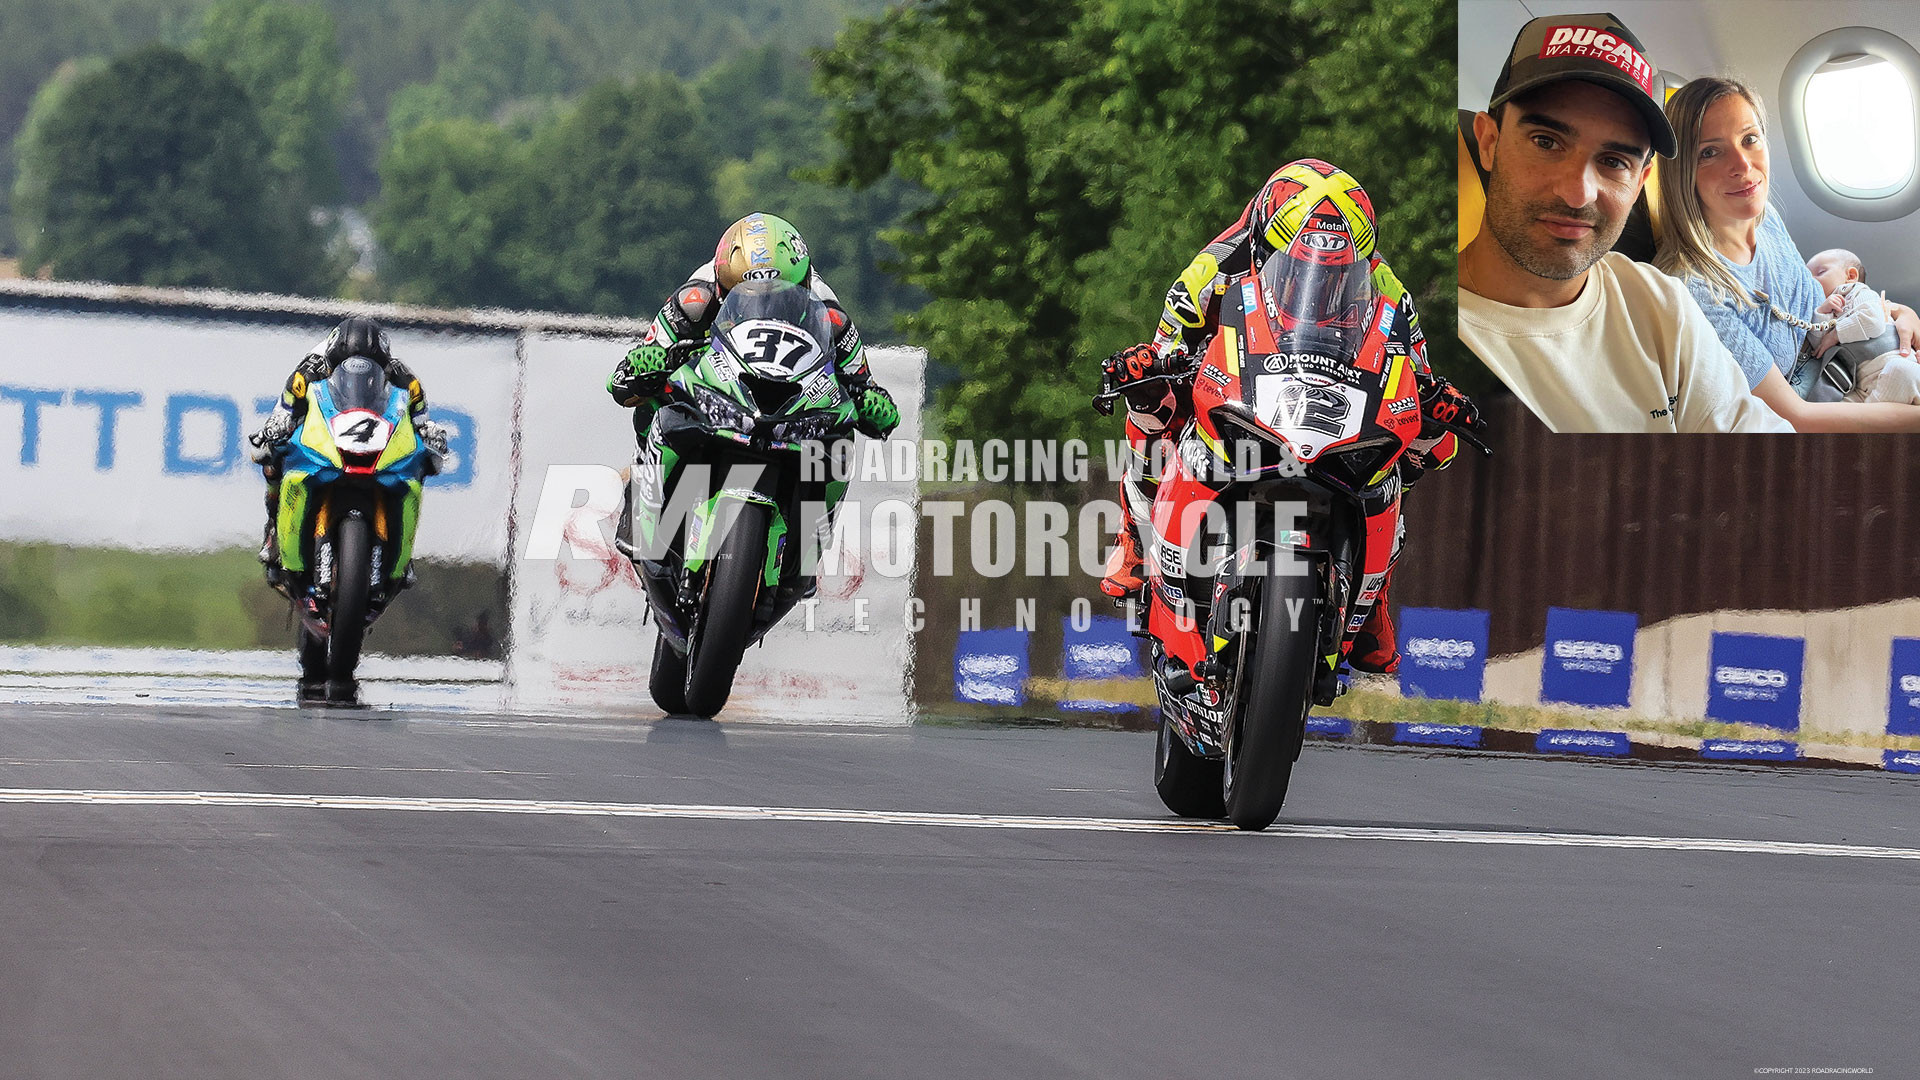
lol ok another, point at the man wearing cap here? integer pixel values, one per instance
(1589, 339)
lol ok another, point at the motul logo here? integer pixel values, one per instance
(1590, 43)
(1427, 648)
(1742, 676)
(1588, 650)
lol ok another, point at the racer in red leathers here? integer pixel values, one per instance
(1303, 197)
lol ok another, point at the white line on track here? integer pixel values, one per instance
(255, 799)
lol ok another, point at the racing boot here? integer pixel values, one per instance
(1124, 580)
(1374, 647)
(270, 542)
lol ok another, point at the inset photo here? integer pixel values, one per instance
(1693, 217)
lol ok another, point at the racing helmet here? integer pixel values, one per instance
(1310, 192)
(1313, 238)
(761, 247)
(357, 335)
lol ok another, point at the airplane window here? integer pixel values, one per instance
(1860, 123)
(1850, 118)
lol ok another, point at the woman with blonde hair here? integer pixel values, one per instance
(1719, 235)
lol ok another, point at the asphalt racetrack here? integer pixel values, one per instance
(259, 893)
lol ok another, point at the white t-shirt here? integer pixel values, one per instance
(1632, 353)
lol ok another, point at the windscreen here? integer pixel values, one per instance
(359, 383)
(1324, 308)
(776, 328)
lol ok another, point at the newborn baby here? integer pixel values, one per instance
(1881, 373)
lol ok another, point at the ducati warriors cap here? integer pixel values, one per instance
(1592, 48)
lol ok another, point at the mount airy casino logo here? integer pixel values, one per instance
(1585, 42)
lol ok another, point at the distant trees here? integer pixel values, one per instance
(603, 208)
(285, 56)
(155, 170)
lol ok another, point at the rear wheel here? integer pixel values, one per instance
(725, 621)
(1189, 784)
(352, 578)
(1265, 739)
(669, 679)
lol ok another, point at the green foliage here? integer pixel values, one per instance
(602, 209)
(286, 58)
(38, 36)
(504, 57)
(761, 115)
(1077, 155)
(154, 170)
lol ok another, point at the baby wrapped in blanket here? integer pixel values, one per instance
(1860, 354)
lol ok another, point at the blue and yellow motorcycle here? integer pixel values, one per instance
(349, 504)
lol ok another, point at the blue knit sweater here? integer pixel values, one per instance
(1757, 339)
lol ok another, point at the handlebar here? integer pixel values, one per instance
(1103, 401)
(1467, 436)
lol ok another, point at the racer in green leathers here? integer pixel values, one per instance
(758, 247)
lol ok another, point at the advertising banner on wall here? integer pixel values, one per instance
(1588, 657)
(990, 667)
(1104, 649)
(1755, 679)
(124, 430)
(1443, 653)
(1903, 696)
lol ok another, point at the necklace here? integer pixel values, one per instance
(1793, 320)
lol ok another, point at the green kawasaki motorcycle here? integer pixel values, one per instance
(733, 487)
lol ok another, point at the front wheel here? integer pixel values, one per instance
(1188, 784)
(668, 682)
(725, 621)
(347, 627)
(1265, 738)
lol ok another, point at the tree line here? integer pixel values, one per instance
(1010, 185)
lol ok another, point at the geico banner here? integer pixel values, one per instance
(1903, 695)
(125, 430)
(1443, 653)
(583, 640)
(1588, 659)
(1755, 679)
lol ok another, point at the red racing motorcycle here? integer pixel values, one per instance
(1272, 528)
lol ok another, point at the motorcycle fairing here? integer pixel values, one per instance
(704, 536)
(312, 462)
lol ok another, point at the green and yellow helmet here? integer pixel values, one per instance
(761, 247)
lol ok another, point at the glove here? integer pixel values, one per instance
(878, 414)
(265, 445)
(434, 435)
(641, 374)
(1441, 404)
(1127, 372)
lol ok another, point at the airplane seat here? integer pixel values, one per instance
(1636, 239)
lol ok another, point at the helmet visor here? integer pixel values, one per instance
(359, 383)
